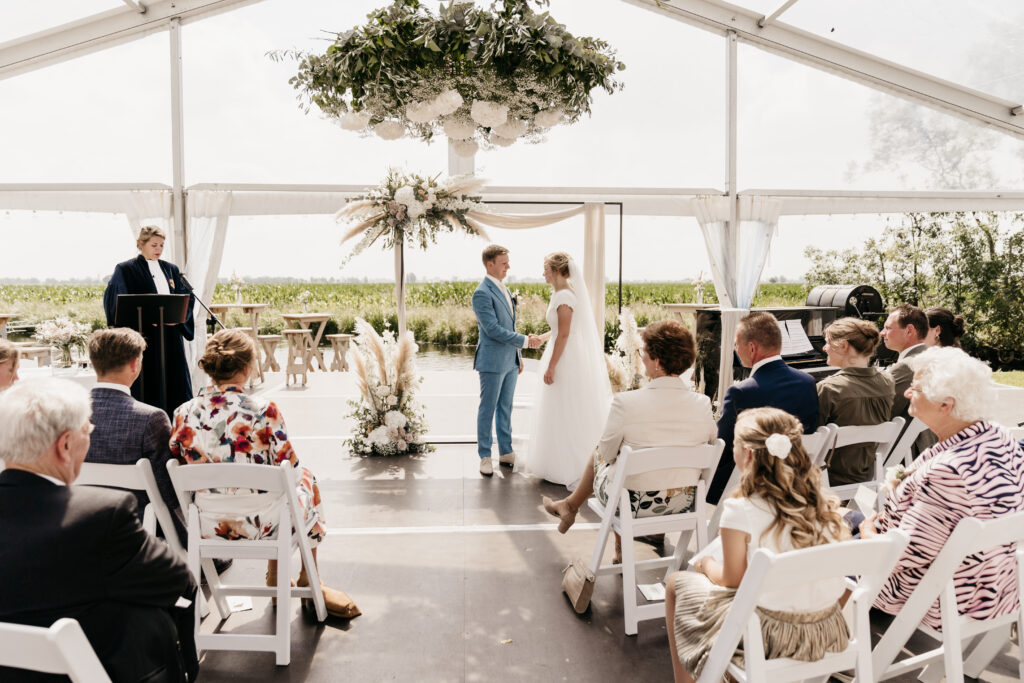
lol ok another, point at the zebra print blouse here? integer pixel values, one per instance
(978, 472)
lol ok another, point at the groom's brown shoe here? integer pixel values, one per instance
(509, 459)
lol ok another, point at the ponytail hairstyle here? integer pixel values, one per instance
(227, 353)
(781, 473)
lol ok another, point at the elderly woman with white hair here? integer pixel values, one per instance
(976, 470)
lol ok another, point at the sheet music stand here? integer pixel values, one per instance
(138, 310)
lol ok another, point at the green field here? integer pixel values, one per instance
(1014, 378)
(437, 312)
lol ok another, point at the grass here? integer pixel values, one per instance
(1013, 378)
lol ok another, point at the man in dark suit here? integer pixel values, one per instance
(904, 332)
(771, 383)
(80, 552)
(126, 429)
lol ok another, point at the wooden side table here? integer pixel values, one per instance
(299, 354)
(269, 343)
(40, 353)
(304, 321)
(4, 319)
(253, 311)
(339, 344)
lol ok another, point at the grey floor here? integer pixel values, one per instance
(458, 576)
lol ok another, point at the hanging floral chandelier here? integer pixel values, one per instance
(481, 77)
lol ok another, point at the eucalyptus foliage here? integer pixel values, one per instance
(508, 55)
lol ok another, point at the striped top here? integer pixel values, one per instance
(978, 472)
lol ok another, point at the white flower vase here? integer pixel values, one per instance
(238, 296)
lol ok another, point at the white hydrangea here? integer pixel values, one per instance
(382, 390)
(389, 130)
(501, 141)
(415, 209)
(406, 194)
(488, 114)
(458, 129)
(513, 128)
(354, 120)
(392, 400)
(548, 118)
(421, 112)
(447, 102)
(380, 436)
(465, 148)
(394, 420)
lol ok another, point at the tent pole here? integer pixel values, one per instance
(179, 254)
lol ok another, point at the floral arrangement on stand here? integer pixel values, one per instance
(236, 285)
(480, 76)
(389, 420)
(304, 298)
(625, 371)
(65, 335)
(409, 208)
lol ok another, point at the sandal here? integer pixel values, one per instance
(566, 519)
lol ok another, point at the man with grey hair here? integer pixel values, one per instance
(80, 552)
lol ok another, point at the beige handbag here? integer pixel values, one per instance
(578, 584)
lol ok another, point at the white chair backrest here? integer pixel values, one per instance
(187, 479)
(60, 649)
(901, 452)
(819, 443)
(1016, 433)
(681, 458)
(137, 477)
(884, 434)
(970, 536)
(871, 560)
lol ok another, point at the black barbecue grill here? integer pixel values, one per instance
(861, 301)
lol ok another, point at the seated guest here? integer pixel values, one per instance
(79, 551)
(780, 506)
(856, 395)
(944, 327)
(126, 429)
(976, 470)
(224, 424)
(9, 358)
(665, 412)
(904, 332)
(771, 383)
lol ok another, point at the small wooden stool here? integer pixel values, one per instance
(339, 343)
(300, 348)
(269, 343)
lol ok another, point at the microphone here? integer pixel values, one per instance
(184, 281)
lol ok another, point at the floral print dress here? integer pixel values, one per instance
(228, 425)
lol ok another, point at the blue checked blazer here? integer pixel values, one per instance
(127, 430)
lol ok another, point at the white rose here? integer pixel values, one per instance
(778, 445)
(392, 400)
(382, 391)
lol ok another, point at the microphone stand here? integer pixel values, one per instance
(192, 291)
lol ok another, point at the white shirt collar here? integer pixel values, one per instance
(764, 361)
(54, 480)
(113, 385)
(904, 352)
(496, 281)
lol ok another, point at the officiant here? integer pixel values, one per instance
(148, 274)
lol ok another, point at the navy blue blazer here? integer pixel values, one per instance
(134, 277)
(774, 385)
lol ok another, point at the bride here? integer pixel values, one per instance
(572, 402)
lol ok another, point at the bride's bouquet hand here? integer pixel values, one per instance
(549, 375)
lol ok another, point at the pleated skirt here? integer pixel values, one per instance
(701, 607)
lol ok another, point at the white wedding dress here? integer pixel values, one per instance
(569, 415)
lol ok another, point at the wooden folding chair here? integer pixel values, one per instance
(617, 515)
(60, 649)
(870, 561)
(291, 535)
(970, 536)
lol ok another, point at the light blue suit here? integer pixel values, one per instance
(497, 360)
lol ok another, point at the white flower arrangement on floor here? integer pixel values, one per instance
(64, 334)
(389, 420)
(625, 371)
(412, 209)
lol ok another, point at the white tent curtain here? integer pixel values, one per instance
(593, 249)
(151, 207)
(713, 216)
(759, 223)
(207, 215)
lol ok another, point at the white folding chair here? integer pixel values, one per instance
(617, 515)
(817, 444)
(60, 649)
(970, 536)
(137, 477)
(883, 436)
(902, 452)
(870, 560)
(292, 529)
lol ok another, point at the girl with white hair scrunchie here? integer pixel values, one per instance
(780, 506)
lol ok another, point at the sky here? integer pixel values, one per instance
(105, 117)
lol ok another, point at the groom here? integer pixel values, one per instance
(497, 358)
